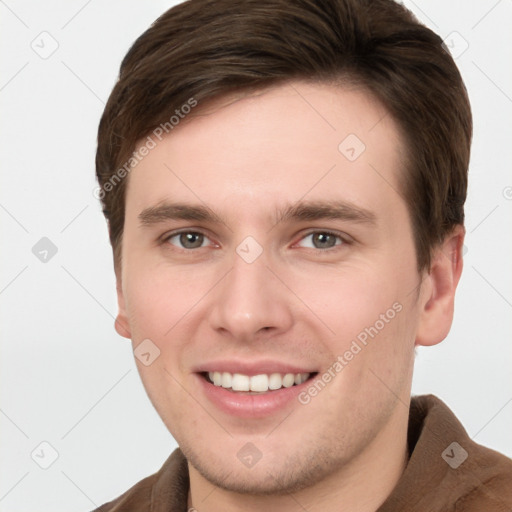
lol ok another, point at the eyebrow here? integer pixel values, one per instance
(302, 211)
(319, 210)
(176, 211)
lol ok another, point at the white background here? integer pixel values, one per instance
(66, 377)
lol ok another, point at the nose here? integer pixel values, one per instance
(251, 302)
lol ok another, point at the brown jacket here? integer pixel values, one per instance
(446, 472)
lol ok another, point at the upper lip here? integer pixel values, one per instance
(251, 368)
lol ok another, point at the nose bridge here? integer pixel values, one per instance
(248, 300)
(247, 278)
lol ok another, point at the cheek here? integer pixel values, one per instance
(159, 304)
(159, 298)
(372, 316)
(350, 299)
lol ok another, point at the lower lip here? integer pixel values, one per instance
(251, 406)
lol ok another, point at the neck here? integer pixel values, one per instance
(362, 485)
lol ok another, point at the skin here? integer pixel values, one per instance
(299, 301)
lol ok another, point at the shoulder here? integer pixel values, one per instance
(448, 471)
(165, 490)
(487, 480)
(134, 499)
(475, 477)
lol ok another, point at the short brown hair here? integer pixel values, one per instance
(207, 49)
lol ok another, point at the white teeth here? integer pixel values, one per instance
(288, 380)
(227, 379)
(240, 382)
(217, 378)
(257, 383)
(275, 381)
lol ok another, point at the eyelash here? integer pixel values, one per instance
(343, 238)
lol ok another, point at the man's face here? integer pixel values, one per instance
(255, 244)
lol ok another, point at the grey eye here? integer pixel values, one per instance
(321, 240)
(188, 240)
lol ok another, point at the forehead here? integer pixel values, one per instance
(294, 141)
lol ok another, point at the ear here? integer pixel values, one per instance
(438, 289)
(121, 324)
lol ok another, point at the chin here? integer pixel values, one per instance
(287, 475)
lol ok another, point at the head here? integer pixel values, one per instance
(284, 185)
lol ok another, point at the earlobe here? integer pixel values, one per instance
(121, 323)
(436, 315)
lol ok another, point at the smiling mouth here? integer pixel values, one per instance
(256, 384)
